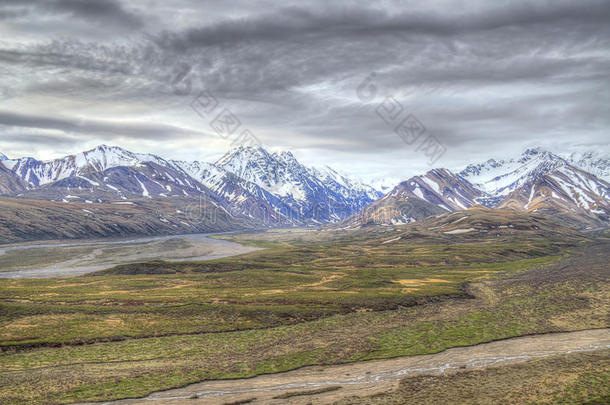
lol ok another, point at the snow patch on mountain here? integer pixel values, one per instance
(38, 173)
(595, 162)
(346, 184)
(537, 179)
(321, 194)
(384, 184)
(145, 192)
(500, 178)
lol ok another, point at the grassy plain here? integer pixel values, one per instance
(309, 298)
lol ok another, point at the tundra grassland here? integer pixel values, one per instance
(311, 297)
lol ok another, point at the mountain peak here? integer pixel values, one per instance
(246, 149)
(103, 157)
(285, 157)
(534, 151)
(104, 147)
(503, 176)
(243, 153)
(440, 172)
(539, 154)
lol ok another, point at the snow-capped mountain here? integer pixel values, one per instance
(564, 189)
(397, 207)
(594, 162)
(444, 189)
(436, 192)
(3, 157)
(538, 175)
(344, 184)
(320, 195)
(145, 180)
(249, 182)
(500, 178)
(537, 180)
(254, 186)
(244, 197)
(37, 173)
(280, 175)
(103, 174)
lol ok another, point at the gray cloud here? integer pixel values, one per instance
(112, 13)
(482, 77)
(99, 10)
(95, 128)
(107, 11)
(295, 23)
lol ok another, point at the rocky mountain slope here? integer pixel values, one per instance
(500, 178)
(37, 173)
(433, 193)
(540, 179)
(321, 195)
(480, 221)
(594, 162)
(250, 187)
(10, 183)
(242, 196)
(537, 180)
(394, 208)
(23, 220)
(248, 183)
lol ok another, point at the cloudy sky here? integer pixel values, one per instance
(481, 78)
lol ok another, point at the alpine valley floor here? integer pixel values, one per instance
(318, 297)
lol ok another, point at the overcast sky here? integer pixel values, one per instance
(484, 78)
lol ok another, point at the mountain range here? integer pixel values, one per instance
(271, 189)
(535, 181)
(250, 187)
